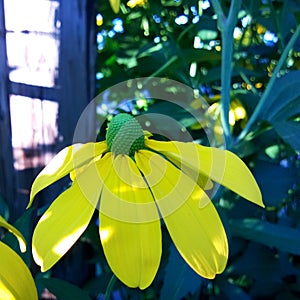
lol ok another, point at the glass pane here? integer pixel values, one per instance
(33, 30)
(31, 15)
(34, 130)
(33, 58)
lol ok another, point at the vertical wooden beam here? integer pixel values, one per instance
(7, 171)
(77, 65)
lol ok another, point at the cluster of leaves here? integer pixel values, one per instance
(183, 40)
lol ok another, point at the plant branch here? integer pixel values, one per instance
(226, 26)
(270, 85)
(219, 11)
(110, 287)
(248, 81)
(162, 68)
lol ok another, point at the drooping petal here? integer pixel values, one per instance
(63, 163)
(192, 221)
(129, 224)
(16, 281)
(220, 165)
(66, 219)
(15, 232)
(202, 180)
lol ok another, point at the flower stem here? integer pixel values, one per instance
(270, 85)
(110, 287)
(162, 68)
(226, 26)
(219, 11)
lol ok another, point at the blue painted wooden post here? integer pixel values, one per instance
(7, 171)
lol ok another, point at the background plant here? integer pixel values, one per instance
(243, 57)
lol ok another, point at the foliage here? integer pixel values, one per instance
(253, 97)
(184, 41)
(16, 281)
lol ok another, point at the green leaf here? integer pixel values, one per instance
(201, 55)
(64, 290)
(24, 225)
(208, 35)
(286, 123)
(179, 279)
(290, 132)
(4, 211)
(274, 181)
(174, 129)
(273, 235)
(297, 16)
(15, 232)
(286, 90)
(261, 271)
(150, 50)
(273, 151)
(231, 291)
(288, 111)
(283, 104)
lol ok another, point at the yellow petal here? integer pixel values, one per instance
(16, 281)
(203, 181)
(64, 222)
(132, 247)
(63, 163)
(220, 165)
(194, 226)
(15, 232)
(123, 182)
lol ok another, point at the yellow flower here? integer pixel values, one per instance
(134, 3)
(16, 281)
(138, 181)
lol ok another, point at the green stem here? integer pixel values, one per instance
(184, 32)
(226, 26)
(110, 287)
(227, 49)
(219, 11)
(270, 85)
(276, 22)
(162, 68)
(246, 79)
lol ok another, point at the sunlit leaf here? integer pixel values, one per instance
(24, 225)
(15, 232)
(207, 34)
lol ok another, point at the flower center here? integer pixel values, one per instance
(124, 135)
